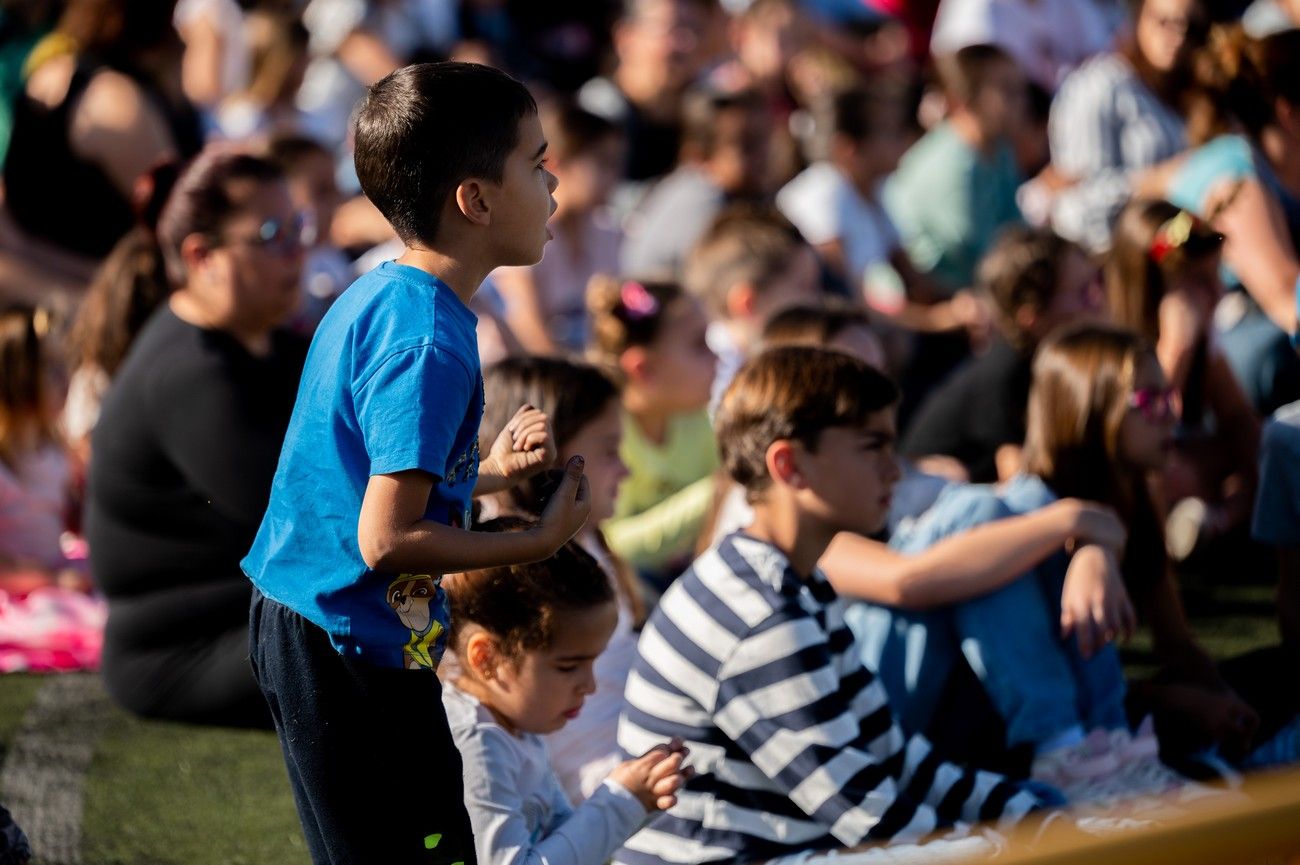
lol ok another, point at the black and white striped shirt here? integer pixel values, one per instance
(1105, 125)
(792, 738)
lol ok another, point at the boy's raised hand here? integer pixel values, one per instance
(656, 776)
(525, 446)
(568, 506)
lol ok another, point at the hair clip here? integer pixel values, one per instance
(1171, 235)
(637, 301)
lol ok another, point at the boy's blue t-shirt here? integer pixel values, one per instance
(392, 382)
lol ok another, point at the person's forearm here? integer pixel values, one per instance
(434, 548)
(957, 568)
(490, 479)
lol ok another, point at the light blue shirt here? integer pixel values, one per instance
(392, 383)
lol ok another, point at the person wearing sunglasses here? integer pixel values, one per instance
(1163, 282)
(187, 444)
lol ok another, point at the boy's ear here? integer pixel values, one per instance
(741, 299)
(634, 362)
(782, 460)
(473, 202)
(1026, 318)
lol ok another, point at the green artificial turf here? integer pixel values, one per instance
(17, 690)
(171, 794)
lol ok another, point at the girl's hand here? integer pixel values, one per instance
(656, 776)
(524, 447)
(1094, 603)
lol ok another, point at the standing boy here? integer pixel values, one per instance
(748, 659)
(371, 498)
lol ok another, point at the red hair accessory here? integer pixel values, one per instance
(637, 302)
(1171, 235)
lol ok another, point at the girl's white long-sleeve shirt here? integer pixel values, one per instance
(518, 810)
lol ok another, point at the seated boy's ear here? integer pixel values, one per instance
(473, 202)
(783, 464)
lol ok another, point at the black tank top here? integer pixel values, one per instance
(60, 197)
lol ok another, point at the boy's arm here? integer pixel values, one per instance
(828, 740)
(967, 564)
(395, 537)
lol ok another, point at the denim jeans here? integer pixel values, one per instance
(1039, 683)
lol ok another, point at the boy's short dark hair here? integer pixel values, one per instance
(964, 72)
(814, 323)
(793, 392)
(702, 110)
(291, 150)
(1023, 267)
(857, 113)
(425, 128)
(744, 243)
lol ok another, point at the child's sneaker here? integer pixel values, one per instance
(1069, 767)
(1141, 744)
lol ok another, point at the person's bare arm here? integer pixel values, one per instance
(964, 565)
(366, 56)
(201, 64)
(524, 310)
(1258, 247)
(114, 126)
(394, 536)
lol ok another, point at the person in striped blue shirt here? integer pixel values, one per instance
(747, 658)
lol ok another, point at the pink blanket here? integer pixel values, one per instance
(51, 630)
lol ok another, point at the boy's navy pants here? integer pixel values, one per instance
(375, 773)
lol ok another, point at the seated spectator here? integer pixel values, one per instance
(529, 637)
(1100, 421)
(724, 158)
(544, 304)
(586, 418)
(1037, 281)
(749, 265)
(216, 59)
(748, 659)
(652, 337)
(308, 167)
(955, 189)
(836, 204)
(187, 444)
(1239, 178)
(659, 53)
(1119, 114)
(277, 45)
(1163, 280)
(1046, 38)
(102, 104)
(35, 472)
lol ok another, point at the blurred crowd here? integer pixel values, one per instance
(936, 184)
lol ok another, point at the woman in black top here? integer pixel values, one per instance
(187, 444)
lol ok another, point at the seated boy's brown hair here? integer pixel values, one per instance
(745, 243)
(1023, 267)
(793, 393)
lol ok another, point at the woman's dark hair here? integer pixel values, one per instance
(1136, 276)
(128, 286)
(1239, 81)
(425, 128)
(517, 604)
(23, 331)
(205, 198)
(626, 313)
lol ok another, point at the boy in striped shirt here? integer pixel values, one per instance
(748, 659)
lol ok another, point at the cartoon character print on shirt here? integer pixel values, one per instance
(417, 601)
